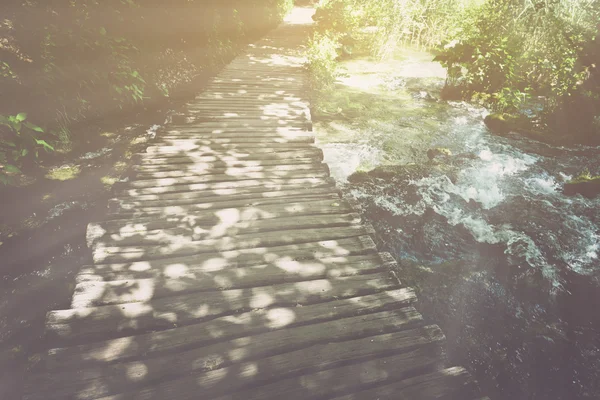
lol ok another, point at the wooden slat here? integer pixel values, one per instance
(214, 227)
(169, 312)
(190, 158)
(202, 166)
(235, 187)
(91, 383)
(237, 374)
(128, 290)
(128, 208)
(233, 171)
(227, 328)
(112, 254)
(233, 215)
(215, 261)
(349, 378)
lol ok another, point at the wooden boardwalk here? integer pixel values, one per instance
(229, 267)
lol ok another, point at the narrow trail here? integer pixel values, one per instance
(229, 267)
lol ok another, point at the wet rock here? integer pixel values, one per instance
(498, 123)
(451, 93)
(438, 152)
(359, 177)
(585, 185)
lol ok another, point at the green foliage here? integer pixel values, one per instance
(65, 60)
(20, 140)
(503, 53)
(321, 58)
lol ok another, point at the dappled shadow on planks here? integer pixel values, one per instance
(228, 267)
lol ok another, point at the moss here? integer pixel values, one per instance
(438, 151)
(584, 184)
(64, 173)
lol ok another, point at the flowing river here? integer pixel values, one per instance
(505, 263)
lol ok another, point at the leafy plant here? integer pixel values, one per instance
(21, 140)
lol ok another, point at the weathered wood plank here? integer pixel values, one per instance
(227, 328)
(234, 171)
(216, 261)
(233, 188)
(224, 273)
(215, 226)
(173, 311)
(201, 166)
(447, 384)
(316, 358)
(350, 378)
(311, 185)
(199, 140)
(226, 148)
(127, 209)
(263, 98)
(90, 383)
(97, 293)
(235, 372)
(321, 172)
(190, 158)
(239, 214)
(112, 254)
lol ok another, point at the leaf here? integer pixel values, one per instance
(33, 127)
(12, 168)
(45, 144)
(21, 117)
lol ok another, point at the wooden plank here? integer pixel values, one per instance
(266, 98)
(174, 207)
(290, 133)
(308, 182)
(199, 139)
(234, 187)
(205, 362)
(246, 196)
(223, 271)
(261, 118)
(254, 118)
(129, 209)
(169, 312)
(241, 214)
(217, 261)
(113, 254)
(222, 165)
(190, 158)
(234, 171)
(226, 177)
(227, 148)
(214, 227)
(92, 293)
(227, 328)
(248, 82)
(447, 384)
(349, 378)
(248, 374)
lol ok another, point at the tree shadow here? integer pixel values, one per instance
(239, 273)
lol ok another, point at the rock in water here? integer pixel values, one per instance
(497, 123)
(585, 184)
(437, 152)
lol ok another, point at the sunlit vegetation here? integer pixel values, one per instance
(65, 62)
(534, 60)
